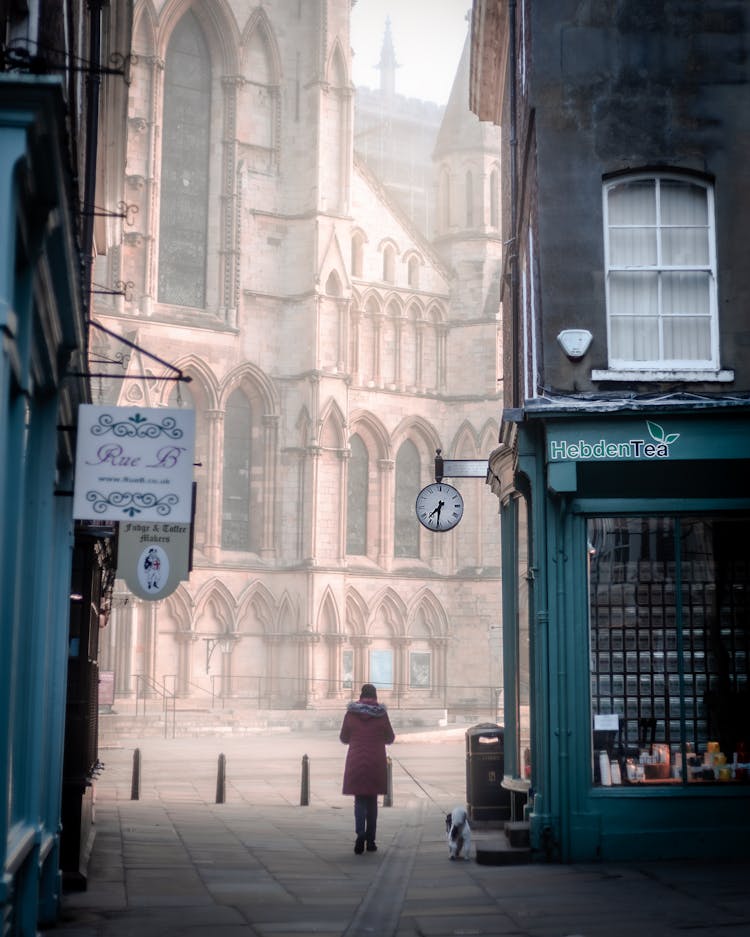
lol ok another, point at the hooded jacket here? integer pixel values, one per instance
(366, 729)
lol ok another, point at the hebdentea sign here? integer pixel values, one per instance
(666, 439)
(656, 443)
(134, 463)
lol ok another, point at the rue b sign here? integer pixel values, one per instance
(134, 463)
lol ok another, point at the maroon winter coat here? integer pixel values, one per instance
(366, 729)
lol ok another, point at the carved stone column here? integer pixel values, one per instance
(385, 557)
(334, 643)
(270, 442)
(401, 645)
(360, 643)
(439, 681)
(215, 461)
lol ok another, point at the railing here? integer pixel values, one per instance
(148, 689)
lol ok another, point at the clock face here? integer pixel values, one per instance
(439, 506)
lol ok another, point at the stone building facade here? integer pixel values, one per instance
(332, 350)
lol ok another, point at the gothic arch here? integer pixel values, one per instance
(328, 613)
(388, 242)
(420, 432)
(372, 433)
(248, 376)
(180, 606)
(435, 617)
(488, 436)
(303, 426)
(287, 612)
(436, 313)
(332, 433)
(256, 597)
(215, 595)
(258, 25)
(393, 606)
(465, 441)
(144, 28)
(336, 71)
(219, 29)
(202, 377)
(357, 613)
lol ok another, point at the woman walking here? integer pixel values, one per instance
(366, 729)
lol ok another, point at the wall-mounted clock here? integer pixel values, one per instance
(439, 506)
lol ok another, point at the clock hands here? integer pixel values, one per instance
(436, 510)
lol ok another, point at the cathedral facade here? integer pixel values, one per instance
(333, 347)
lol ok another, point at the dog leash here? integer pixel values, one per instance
(406, 771)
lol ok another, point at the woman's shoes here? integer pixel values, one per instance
(359, 846)
(371, 847)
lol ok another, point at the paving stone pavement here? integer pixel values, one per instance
(175, 863)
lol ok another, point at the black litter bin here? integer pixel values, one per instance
(486, 798)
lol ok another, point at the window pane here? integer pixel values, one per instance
(685, 294)
(235, 526)
(632, 247)
(633, 203)
(381, 668)
(184, 177)
(684, 246)
(635, 338)
(406, 539)
(356, 503)
(687, 339)
(683, 203)
(633, 294)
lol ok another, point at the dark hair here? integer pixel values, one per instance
(368, 692)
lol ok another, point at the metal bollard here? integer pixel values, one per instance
(388, 796)
(304, 797)
(221, 780)
(135, 784)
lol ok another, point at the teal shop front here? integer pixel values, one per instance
(626, 608)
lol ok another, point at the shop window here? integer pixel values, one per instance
(406, 539)
(669, 599)
(523, 658)
(356, 502)
(661, 274)
(183, 219)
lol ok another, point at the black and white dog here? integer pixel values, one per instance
(459, 833)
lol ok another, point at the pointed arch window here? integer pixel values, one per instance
(413, 272)
(406, 534)
(183, 218)
(445, 201)
(389, 264)
(356, 501)
(235, 514)
(469, 199)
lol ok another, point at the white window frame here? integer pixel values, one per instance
(664, 369)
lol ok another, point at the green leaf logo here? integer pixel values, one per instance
(658, 434)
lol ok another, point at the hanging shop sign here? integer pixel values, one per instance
(153, 558)
(134, 463)
(647, 440)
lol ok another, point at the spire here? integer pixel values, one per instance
(387, 63)
(460, 128)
